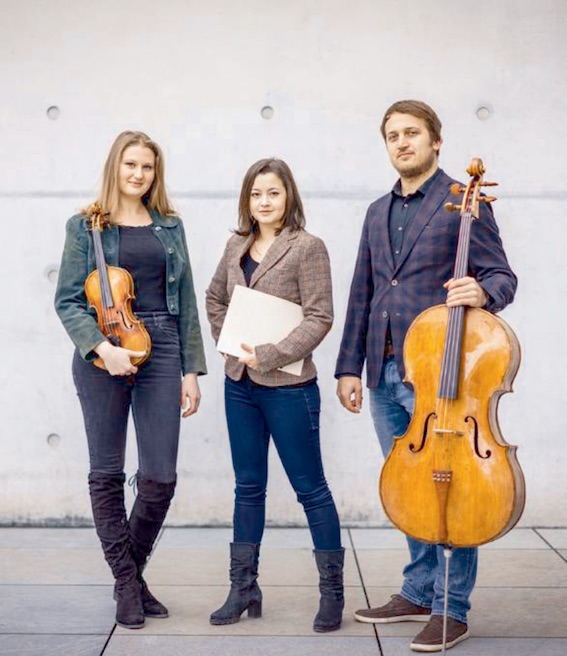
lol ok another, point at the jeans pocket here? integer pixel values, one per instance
(313, 403)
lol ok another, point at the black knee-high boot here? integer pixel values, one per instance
(244, 590)
(109, 514)
(330, 565)
(146, 519)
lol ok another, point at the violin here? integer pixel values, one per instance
(452, 479)
(110, 291)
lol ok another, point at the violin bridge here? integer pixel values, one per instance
(448, 431)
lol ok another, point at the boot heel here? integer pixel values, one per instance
(255, 609)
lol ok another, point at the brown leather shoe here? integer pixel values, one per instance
(398, 609)
(431, 637)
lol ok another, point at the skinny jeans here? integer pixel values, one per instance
(290, 416)
(391, 407)
(153, 395)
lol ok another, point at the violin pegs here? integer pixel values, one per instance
(456, 189)
(488, 184)
(452, 207)
(488, 199)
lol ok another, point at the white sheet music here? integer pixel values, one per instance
(255, 318)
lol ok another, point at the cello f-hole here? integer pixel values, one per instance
(412, 448)
(476, 439)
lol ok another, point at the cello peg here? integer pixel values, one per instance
(452, 207)
(488, 184)
(487, 199)
(456, 189)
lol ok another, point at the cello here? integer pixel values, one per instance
(452, 479)
(110, 291)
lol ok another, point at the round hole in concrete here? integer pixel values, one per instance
(51, 272)
(267, 112)
(53, 112)
(54, 440)
(484, 112)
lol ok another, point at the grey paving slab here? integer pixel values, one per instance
(377, 538)
(522, 568)
(54, 566)
(286, 611)
(499, 612)
(504, 567)
(519, 612)
(48, 538)
(518, 538)
(210, 567)
(52, 645)
(382, 567)
(557, 537)
(33, 609)
(206, 538)
(486, 647)
(335, 645)
(195, 538)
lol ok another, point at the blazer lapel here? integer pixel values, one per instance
(384, 232)
(277, 250)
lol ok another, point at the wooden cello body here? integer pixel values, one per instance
(452, 478)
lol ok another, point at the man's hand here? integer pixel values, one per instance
(465, 291)
(349, 391)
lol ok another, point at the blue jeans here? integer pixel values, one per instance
(391, 407)
(154, 395)
(290, 415)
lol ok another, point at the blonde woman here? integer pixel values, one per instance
(147, 238)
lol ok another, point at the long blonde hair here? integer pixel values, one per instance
(109, 198)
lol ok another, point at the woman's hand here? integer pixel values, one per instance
(117, 360)
(190, 395)
(250, 359)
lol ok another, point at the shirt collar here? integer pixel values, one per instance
(397, 189)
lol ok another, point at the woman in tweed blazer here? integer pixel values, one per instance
(272, 253)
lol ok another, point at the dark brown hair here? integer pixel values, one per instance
(293, 217)
(418, 109)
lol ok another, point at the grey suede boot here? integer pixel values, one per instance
(109, 514)
(244, 591)
(330, 565)
(146, 519)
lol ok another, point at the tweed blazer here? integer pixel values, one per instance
(383, 292)
(296, 268)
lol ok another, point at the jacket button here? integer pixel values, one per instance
(394, 282)
(171, 250)
(171, 279)
(384, 313)
(158, 228)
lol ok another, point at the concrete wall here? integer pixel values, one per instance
(195, 76)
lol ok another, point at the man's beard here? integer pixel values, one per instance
(415, 171)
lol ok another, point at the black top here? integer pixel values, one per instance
(142, 254)
(248, 265)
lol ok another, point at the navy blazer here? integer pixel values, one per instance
(383, 292)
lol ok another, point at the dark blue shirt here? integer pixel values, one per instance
(402, 212)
